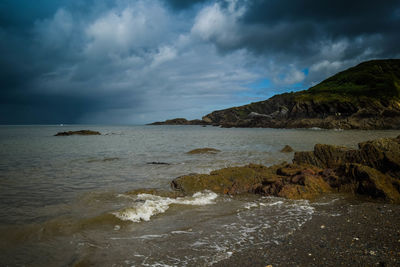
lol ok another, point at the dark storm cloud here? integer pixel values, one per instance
(291, 27)
(183, 4)
(126, 61)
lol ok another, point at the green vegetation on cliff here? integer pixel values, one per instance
(374, 79)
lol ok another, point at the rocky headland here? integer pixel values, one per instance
(366, 96)
(372, 170)
(180, 121)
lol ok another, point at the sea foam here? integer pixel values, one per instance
(147, 205)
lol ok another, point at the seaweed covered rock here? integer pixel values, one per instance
(288, 180)
(373, 170)
(81, 132)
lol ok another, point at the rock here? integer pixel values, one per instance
(157, 163)
(103, 160)
(367, 181)
(287, 149)
(206, 150)
(372, 170)
(290, 181)
(180, 121)
(81, 132)
(324, 156)
(381, 154)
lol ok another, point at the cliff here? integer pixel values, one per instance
(366, 96)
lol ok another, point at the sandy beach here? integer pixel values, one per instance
(352, 232)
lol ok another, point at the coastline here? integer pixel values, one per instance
(351, 232)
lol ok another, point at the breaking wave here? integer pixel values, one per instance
(147, 205)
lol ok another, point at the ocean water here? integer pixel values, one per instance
(66, 200)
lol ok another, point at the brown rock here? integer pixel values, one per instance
(367, 181)
(381, 154)
(290, 181)
(287, 149)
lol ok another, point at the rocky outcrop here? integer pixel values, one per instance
(180, 121)
(373, 170)
(81, 132)
(288, 180)
(381, 154)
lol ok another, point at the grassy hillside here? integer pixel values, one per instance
(375, 78)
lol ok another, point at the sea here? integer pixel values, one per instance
(69, 200)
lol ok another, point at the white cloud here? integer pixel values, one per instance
(164, 54)
(138, 26)
(213, 23)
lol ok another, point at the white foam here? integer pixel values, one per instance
(151, 205)
(250, 205)
(181, 232)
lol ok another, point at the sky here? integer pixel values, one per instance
(135, 62)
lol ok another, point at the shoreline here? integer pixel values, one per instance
(350, 232)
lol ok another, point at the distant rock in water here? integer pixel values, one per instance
(287, 149)
(102, 160)
(157, 163)
(180, 121)
(206, 150)
(373, 170)
(81, 132)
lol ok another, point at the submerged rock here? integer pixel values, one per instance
(206, 150)
(81, 132)
(157, 163)
(103, 160)
(287, 149)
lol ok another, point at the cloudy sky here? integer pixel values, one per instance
(133, 62)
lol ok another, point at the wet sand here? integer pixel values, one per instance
(349, 232)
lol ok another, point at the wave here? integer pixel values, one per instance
(147, 205)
